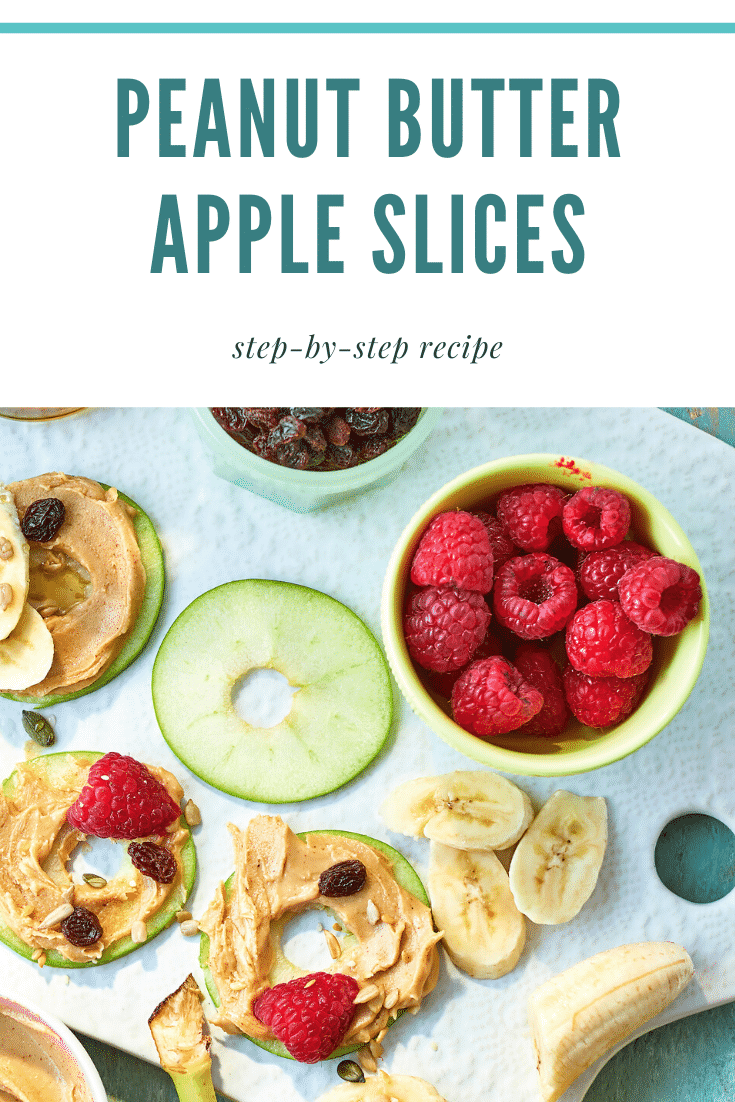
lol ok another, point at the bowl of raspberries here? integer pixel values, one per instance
(545, 615)
(310, 457)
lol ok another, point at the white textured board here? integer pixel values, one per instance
(471, 1038)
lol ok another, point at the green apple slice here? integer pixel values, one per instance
(283, 970)
(55, 766)
(340, 714)
(137, 637)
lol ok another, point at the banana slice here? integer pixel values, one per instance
(384, 1088)
(580, 1014)
(14, 565)
(556, 864)
(484, 932)
(467, 809)
(27, 653)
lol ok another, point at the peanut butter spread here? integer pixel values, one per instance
(34, 1066)
(87, 582)
(36, 843)
(393, 954)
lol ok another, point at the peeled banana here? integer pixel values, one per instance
(27, 653)
(557, 861)
(14, 565)
(384, 1088)
(484, 932)
(580, 1014)
(467, 809)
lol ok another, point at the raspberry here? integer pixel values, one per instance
(122, 799)
(443, 683)
(596, 517)
(454, 550)
(602, 641)
(540, 670)
(501, 544)
(492, 698)
(602, 701)
(311, 1014)
(600, 571)
(443, 627)
(531, 514)
(660, 595)
(534, 595)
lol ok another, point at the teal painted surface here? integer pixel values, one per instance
(367, 28)
(688, 1061)
(718, 421)
(695, 858)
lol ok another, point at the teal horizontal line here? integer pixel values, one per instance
(367, 28)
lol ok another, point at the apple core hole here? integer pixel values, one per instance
(100, 856)
(263, 697)
(304, 943)
(695, 858)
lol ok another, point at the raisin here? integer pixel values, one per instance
(371, 449)
(42, 519)
(263, 417)
(338, 431)
(311, 414)
(154, 861)
(402, 419)
(259, 445)
(81, 928)
(315, 438)
(294, 453)
(344, 878)
(286, 431)
(367, 420)
(340, 458)
(232, 418)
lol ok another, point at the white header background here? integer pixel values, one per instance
(645, 321)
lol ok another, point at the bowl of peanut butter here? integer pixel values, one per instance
(40, 1059)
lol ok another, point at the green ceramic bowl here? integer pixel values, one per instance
(677, 659)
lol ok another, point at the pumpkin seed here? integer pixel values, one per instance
(39, 728)
(350, 1071)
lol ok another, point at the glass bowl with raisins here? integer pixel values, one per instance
(307, 458)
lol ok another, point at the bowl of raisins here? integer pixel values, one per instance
(526, 660)
(307, 458)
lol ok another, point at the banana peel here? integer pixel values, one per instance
(178, 1030)
(579, 1015)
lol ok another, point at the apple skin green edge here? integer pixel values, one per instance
(406, 876)
(152, 556)
(154, 925)
(340, 716)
